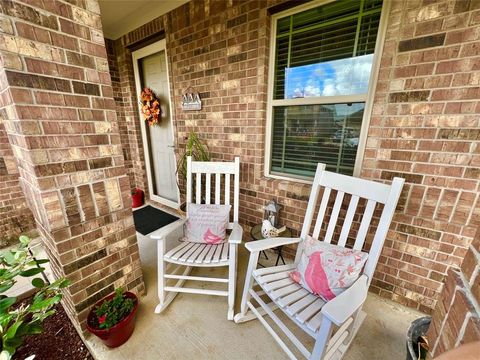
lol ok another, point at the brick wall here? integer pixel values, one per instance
(456, 318)
(423, 126)
(15, 217)
(127, 102)
(60, 118)
(124, 94)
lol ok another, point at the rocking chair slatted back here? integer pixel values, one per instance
(372, 192)
(220, 170)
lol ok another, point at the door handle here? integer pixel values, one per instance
(170, 146)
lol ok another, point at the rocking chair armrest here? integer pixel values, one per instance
(260, 245)
(236, 235)
(339, 309)
(163, 232)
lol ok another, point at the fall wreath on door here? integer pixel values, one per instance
(151, 110)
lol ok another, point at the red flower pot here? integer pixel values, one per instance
(118, 334)
(137, 198)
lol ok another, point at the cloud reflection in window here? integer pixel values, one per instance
(333, 78)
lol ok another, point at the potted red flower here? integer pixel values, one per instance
(112, 319)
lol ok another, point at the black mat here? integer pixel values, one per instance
(149, 219)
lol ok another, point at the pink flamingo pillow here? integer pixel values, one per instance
(327, 270)
(207, 223)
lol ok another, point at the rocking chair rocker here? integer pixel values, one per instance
(307, 311)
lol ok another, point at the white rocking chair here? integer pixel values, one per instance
(309, 312)
(187, 255)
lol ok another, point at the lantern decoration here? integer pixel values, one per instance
(150, 107)
(271, 212)
(270, 220)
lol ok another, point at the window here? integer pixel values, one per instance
(322, 62)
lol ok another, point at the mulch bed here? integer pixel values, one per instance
(59, 341)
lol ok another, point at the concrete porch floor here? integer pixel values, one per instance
(196, 327)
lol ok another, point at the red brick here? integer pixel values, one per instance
(472, 331)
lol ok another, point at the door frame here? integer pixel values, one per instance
(137, 55)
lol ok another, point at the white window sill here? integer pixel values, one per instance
(291, 178)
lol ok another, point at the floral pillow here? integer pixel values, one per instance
(207, 223)
(328, 270)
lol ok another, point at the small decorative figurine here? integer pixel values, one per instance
(269, 231)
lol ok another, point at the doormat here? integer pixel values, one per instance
(149, 219)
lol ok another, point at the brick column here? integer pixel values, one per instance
(456, 318)
(59, 114)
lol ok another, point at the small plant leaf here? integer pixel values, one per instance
(59, 284)
(38, 262)
(38, 283)
(45, 304)
(24, 240)
(9, 257)
(42, 316)
(5, 319)
(5, 287)
(29, 329)
(12, 344)
(5, 303)
(10, 334)
(31, 272)
(5, 355)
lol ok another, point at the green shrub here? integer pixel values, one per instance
(27, 318)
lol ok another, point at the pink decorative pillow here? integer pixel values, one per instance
(328, 270)
(207, 223)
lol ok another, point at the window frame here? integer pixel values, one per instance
(366, 98)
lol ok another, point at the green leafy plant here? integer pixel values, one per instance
(112, 311)
(194, 148)
(26, 319)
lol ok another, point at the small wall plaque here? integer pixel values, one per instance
(191, 100)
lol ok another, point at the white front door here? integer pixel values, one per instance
(151, 70)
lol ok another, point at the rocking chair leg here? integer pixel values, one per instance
(358, 319)
(252, 264)
(231, 280)
(321, 342)
(161, 272)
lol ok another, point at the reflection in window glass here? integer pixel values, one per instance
(332, 78)
(331, 40)
(308, 134)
